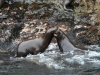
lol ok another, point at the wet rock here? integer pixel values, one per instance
(39, 10)
(67, 4)
(3, 16)
(1, 3)
(29, 19)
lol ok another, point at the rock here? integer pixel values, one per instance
(1, 3)
(3, 16)
(98, 32)
(98, 15)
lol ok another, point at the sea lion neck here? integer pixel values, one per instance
(60, 35)
(48, 36)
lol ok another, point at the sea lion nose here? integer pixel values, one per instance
(56, 33)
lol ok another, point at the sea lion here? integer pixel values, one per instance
(64, 42)
(1, 2)
(36, 45)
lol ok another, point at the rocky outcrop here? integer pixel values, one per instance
(24, 21)
(1, 3)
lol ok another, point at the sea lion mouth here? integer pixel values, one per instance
(55, 34)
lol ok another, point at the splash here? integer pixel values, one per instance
(52, 58)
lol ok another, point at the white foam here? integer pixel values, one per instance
(52, 59)
(76, 59)
(93, 47)
(55, 59)
(93, 54)
(52, 46)
(32, 57)
(94, 63)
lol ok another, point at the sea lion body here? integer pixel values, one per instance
(1, 2)
(64, 43)
(36, 45)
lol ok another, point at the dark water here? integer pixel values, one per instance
(29, 68)
(51, 63)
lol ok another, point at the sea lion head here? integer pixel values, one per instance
(58, 33)
(50, 33)
(52, 30)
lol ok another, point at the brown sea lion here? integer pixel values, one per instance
(1, 2)
(64, 42)
(36, 45)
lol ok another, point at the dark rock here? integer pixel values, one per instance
(1, 3)
(3, 16)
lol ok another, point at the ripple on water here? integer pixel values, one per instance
(52, 58)
(1, 61)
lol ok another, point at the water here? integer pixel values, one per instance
(52, 62)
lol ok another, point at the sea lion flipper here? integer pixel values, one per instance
(60, 47)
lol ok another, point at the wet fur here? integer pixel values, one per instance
(36, 45)
(64, 42)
